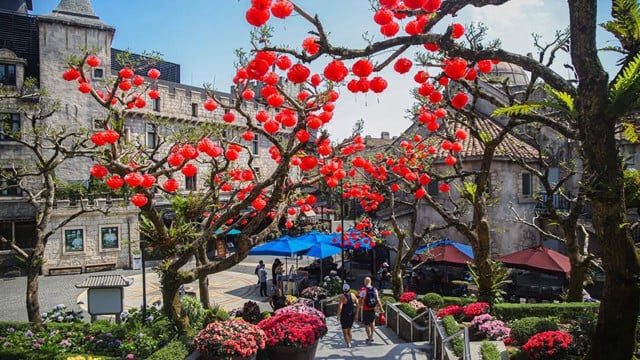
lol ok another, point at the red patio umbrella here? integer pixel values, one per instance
(445, 254)
(538, 258)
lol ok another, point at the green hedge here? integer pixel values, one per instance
(451, 327)
(456, 300)
(172, 351)
(525, 328)
(489, 351)
(509, 312)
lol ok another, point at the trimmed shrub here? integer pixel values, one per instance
(563, 311)
(489, 351)
(460, 301)
(433, 300)
(173, 350)
(451, 327)
(215, 314)
(387, 299)
(525, 328)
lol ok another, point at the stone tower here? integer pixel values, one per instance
(68, 30)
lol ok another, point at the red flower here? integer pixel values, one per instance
(230, 339)
(548, 345)
(407, 297)
(474, 309)
(293, 328)
(453, 310)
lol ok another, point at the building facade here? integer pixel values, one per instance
(36, 47)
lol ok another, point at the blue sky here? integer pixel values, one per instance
(201, 36)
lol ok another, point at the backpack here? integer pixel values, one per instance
(371, 300)
(349, 308)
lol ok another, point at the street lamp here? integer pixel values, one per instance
(342, 231)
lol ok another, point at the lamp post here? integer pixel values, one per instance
(342, 231)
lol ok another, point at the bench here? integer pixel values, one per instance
(65, 268)
(103, 266)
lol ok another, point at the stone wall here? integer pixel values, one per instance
(95, 228)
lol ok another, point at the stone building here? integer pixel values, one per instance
(36, 47)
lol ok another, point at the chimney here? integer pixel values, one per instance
(384, 135)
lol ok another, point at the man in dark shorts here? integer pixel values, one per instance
(369, 310)
(347, 312)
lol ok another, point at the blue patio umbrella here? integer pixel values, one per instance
(322, 250)
(283, 246)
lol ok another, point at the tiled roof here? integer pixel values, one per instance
(104, 281)
(511, 146)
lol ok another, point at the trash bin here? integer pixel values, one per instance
(137, 262)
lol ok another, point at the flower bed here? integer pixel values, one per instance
(230, 338)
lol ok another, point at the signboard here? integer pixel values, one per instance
(105, 301)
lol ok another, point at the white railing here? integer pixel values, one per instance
(436, 333)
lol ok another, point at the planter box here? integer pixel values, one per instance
(402, 326)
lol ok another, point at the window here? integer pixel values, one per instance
(194, 109)
(8, 74)
(10, 124)
(155, 103)
(255, 145)
(98, 73)
(190, 182)
(433, 188)
(97, 124)
(9, 186)
(23, 232)
(152, 135)
(527, 186)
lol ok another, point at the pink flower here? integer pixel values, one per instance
(130, 356)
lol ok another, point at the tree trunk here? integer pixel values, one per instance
(396, 281)
(579, 264)
(203, 280)
(171, 302)
(482, 255)
(33, 284)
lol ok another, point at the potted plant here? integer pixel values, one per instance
(293, 332)
(229, 339)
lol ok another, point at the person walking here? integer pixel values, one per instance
(262, 276)
(347, 313)
(369, 303)
(260, 264)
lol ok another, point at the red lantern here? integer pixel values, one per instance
(298, 73)
(170, 185)
(228, 117)
(282, 8)
(309, 162)
(450, 160)
(485, 66)
(402, 65)
(457, 30)
(232, 155)
(271, 126)
(257, 68)
(71, 74)
(247, 175)
(378, 84)
(383, 16)
(291, 211)
(455, 68)
(435, 97)
(84, 88)
(137, 80)
(302, 135)
(259, 203)
(262, 116)
(425, 179)
(431, 5)
(315, 80)
(310, 45)
(210, 105)
(390, 29)
(98, 139)
(93, 61)
(153, 73)
(275, 100)
(248, 94)
(154, 94)
(456, 147)
(433, 126)
(257, 17)
(283, 62)
(140, 103)
(432, 46)
(420, 193)
(133, 179)
(125, 73)
(114, 182)
(139, 200)
(111, 136)
(124, 85)
(248, 135)
(189, 170)
(421, 77)
(98, 171)
(313, 122)
(362, 68)
(460, 100)
(288, 224)
(189, 152)
(461, 134)
(175, 159)
(444, 187)
(335, 71)
(148, 181)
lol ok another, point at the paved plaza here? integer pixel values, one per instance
(230, 289)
